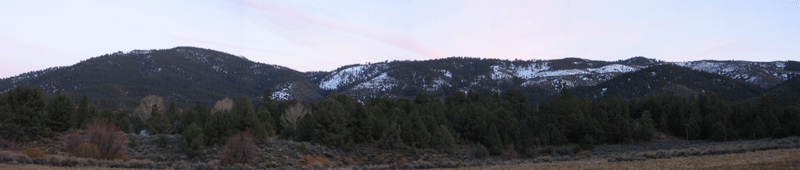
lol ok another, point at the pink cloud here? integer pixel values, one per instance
(377, 34)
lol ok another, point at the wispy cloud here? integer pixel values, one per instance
(395, 39)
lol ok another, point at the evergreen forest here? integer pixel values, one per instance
(496, 121)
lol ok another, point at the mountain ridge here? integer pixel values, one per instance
(189, 75)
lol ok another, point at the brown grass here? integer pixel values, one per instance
(42, 167)
(401, 161)
(771, 159)
(584, 153)
(33, 153)
(314, 160)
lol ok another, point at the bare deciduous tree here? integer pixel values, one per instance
(293, 115)
(146, 106)
(224, 104)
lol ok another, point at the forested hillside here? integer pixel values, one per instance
(184, 75)
(189, 75)
(680, 80)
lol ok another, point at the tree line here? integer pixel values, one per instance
(497, 121)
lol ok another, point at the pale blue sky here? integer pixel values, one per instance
(323, 34)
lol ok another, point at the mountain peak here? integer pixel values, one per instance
(640, 60)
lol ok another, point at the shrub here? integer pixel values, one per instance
(564, 151)
(549, 150)
(161, 141)
(510, 154)
(302, 148)
(109, 140)
(86, 150)
(401, 161)
(350, 146)
(33, 153)
(530, 152)
(480, 151)
(585, 153)
(132, 143)
(240, 148)
(73, 139)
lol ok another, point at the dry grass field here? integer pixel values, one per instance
(42, 167)
(781, 153)
(771, 159)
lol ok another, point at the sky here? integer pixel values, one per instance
(322, 35)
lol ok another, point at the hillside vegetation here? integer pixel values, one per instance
(498, 124)
(187, 76)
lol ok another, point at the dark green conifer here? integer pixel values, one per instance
(193, 141)
(59, 111)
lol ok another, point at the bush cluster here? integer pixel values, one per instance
(33, 153)
(239, 149)
(102, 140)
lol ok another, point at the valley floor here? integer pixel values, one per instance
(769, 159)
(663, 153)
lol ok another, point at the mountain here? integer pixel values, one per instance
(189, 75)
(671, 77)
(764, 74)
(788, 91)
(184, 75)
(444, 76)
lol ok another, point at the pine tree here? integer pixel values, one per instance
(362, 125)
(442, 139)
(246, 120)
(193, 141)
(270, 113)
(646, 127)
(25, 115)
(173, 115)
(59, 111)
(331, 123)
(719, 132)
(494, 141)
(122, 120)
(414, 132)
(159, 123)
(81, 116)
(555, 137)
(391, 137)
(219, 128)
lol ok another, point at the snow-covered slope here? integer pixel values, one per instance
(350, 75)
(764, 74)
(445, 76)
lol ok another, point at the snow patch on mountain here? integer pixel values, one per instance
(446, 73)
(350, 75)
(383, 83)
(140, 52)
(283, 93)
(780, 64)
(613, 68)
(530, 71)
(499, 73)
(543, 70)
(436, 85)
